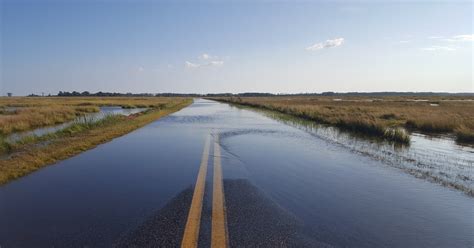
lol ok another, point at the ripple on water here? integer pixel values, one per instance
(439, 159)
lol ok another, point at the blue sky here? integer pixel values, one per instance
(236, 46)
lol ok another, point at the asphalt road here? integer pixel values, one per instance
(213, 175)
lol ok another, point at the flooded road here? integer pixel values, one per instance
(283, 186)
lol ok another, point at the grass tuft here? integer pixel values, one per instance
(464, 134)
(397, 134)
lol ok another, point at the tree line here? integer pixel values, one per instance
(251, 94)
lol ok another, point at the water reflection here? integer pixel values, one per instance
(436, 158)
(89, 117)
(337, 196)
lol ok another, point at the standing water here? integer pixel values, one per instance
(104, 112)
(436, 158)
(336, 196)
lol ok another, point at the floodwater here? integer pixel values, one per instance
(437, 158)
(104, 111)
(341, 197)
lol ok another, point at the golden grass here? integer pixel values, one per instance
(464, 133)
(29, 157)
(28, 118)
(34, 112)
(375, 116)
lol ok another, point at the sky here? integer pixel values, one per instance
(235, 46)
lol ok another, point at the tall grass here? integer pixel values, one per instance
(86, 123)
(37, 152)
(35, 112)
(464, 134)
(28, 118)
(383, 118)
(5, 146)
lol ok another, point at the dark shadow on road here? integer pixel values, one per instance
(165, 228)
(254, 220)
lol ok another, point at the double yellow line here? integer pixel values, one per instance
(219, 226)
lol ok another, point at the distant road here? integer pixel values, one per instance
(212, 175)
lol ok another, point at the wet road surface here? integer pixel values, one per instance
(279, 187)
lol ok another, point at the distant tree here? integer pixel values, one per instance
(329, 93)
(64, 93)
(85, 93)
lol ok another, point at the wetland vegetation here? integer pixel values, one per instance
(390, 118)
(32, 152)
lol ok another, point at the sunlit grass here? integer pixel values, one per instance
(383, 118)
(34, 152)
(465, 134)
(28, 113)
(28, 118)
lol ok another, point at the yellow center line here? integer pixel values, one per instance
(191, 231)
(219, 224)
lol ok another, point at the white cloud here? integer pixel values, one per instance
(208, 64)
(464, 37)
(326, 44)
(448, 46)
(141, 69)
(405, 41)
(216, 63)
(191, 65)
(206, 60)
(205, 56)
(439, 48)
(456, 38)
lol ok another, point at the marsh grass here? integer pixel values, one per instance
(5, 146)
(36, 112)
(397, 134)
(86, 123)
(79, 125)
(465, 134)
(28, 118)
(34, 152)
(383, 118)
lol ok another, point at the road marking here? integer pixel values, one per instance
(219, 224)
(191, 231)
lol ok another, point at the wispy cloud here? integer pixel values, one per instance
(216, 63)
(205, 56)
(206, 61)
(141, 69)
(405, 41)
(191, 65)
(439, 48)
(455, 38)
(461, 38)
(446, 43)
(326, 44)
